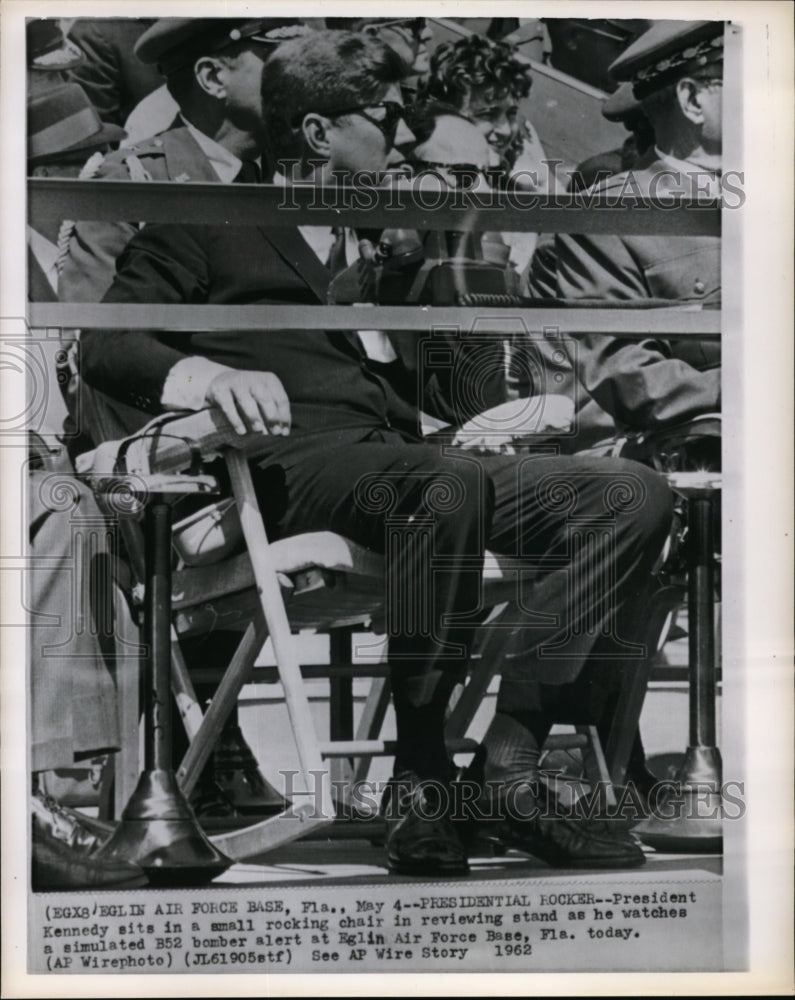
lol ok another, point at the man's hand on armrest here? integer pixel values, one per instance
(251, 401)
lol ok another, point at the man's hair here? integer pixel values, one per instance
(458, 68)
(181, 82)
(323, 72)
(421, 118)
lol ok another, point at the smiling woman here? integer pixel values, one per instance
(485, 80)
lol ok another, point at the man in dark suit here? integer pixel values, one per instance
(212, 68)
(346, 453)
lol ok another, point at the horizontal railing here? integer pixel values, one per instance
(631, 323)
(273, 205)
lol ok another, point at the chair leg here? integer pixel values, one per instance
(341, 712)
(184, 693)
(634, 683)
(127, 669)
(371, 722)
(224, 700)
(492, 648)
(594, 763)
(273, 609)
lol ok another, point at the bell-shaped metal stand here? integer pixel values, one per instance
(158, 829)
(687, 818)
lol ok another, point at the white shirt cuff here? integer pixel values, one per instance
(187, 383)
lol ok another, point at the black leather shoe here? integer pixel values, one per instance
(488, 813)
(420, 837)
(63, 847)
(237, 774)
(568, 842)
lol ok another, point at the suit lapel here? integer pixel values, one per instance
(296, 252)
(298, 255)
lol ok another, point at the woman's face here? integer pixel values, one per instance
(496, 118)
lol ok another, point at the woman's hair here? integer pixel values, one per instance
(474, 62)
(323, 71)
(421, 118)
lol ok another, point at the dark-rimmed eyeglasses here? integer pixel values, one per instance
(388, 125)
(465, 175)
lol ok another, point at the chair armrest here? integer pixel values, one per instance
(170, 444)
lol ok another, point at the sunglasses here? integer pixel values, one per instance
(465, 175)
(388, 125)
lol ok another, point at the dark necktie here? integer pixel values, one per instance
(336, 260)
(248, 173)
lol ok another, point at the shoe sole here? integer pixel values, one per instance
(618, 861)
(426, 870)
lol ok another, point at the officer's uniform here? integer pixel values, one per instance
(88, 262)
(651, 383)
(90, 249)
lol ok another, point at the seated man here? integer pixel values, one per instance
(408, 37)
(677, 71)
(345, 453)
(212, 70)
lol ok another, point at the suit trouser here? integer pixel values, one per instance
(73, 697)
(584, 533)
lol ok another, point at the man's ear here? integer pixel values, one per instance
(688, 94)
(208, 73)
(315, 129)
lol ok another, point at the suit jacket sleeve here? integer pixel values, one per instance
(162, 264)
(639, 383)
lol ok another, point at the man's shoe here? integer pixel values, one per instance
(237, 775)
(420, 837)
(63, 847)
(569, 842)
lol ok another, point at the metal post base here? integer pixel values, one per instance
(687, 818)
(159, 832)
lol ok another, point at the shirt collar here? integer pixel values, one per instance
(691, 167)
(224, 163)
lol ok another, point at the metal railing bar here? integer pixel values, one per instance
(631, 323)
(272, 205)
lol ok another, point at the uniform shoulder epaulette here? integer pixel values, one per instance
(153, 146)
(116, 160)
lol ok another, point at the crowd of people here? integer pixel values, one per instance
(281, 101)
